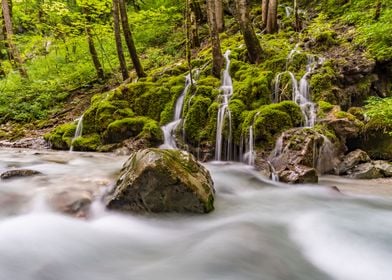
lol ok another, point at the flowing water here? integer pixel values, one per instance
(224, 116)
(259, 230)
(169, 130)
(78, 131)
(300, 90)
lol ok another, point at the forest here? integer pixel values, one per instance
(196, 139)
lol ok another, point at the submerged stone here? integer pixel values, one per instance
(154, 180)
(18, 173)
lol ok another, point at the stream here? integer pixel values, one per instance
(259, 230)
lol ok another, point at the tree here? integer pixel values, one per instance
(14, 53)
(117, 38)
(378, 10)
(217, 57)
(264, 12)
(272, 20)
(129, 40)
(250, 38)
(270, 15)
(297, 22)
(220, 22)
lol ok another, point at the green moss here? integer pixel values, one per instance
(290, 108)
(60, 138)
(322, 83)
(196, 119)
(87, 143)
(140, 127)
(344, 115)
(326, 131)
(358, 112)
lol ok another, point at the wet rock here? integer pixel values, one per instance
(26, 143)
(351, 160)
(155, 180)
(365, 171)
(72, 202)
(377, 143)
(385, 167)
(18, 173)
(300, 153)
(298, 174)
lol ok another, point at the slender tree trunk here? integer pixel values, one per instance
(250, 38)
(220, 22)
(195, 41)
(217, 57)
(272, 21)
(197, 9)
(117, 38)
(9, 36)
(129, 40)
(378, 10)
(94, 54)
(264, 12)
(188, 37)
(296, 17)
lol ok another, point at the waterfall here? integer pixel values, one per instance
(224, 113)
(301, 89)
(325, 156)
(274, 174)
(78, 131)
(170, 129)
(249, 156)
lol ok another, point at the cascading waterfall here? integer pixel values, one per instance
(301, 90)
(224, 113)
(325, 156)
(249, 156)
(78, 131)
(170, 129)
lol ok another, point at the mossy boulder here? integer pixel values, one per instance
(60, 138)
(155, 180)
(87, 143)
(140, 127)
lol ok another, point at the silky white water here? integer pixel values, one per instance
(259, 229)
(78, 131)
(169, 130)
(224, 115)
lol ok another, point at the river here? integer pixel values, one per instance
(259, 230)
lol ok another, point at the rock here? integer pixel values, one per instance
(72, 202)
(18, 173)
(300, 153)
(365, 171)
(384, 166)
(376, 143)
(344, 127)
(351, 160)
(26, 143)
(154, 180)
(298, 174)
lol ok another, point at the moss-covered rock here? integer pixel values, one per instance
(155, 180)
(196, 119)
(60, 138)
(141, 127)
(87, 143)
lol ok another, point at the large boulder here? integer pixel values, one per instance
(301, 153)
(154, 180)
(351, 160)
(371, 170)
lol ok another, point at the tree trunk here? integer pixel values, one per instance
(264, 11)
(117, 38)
(378, 10)
(94, 54)
(188, 38)
(217, 58)
(297, 23)
(14, 53)
(272, 20)
(250, 38)
(220, 22)
(197, 9)
(129, 40)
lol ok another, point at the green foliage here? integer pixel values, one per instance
(379, 111)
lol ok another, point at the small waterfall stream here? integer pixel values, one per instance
(170, 129)
(78, 131)
(301, 89)
(224, 113)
